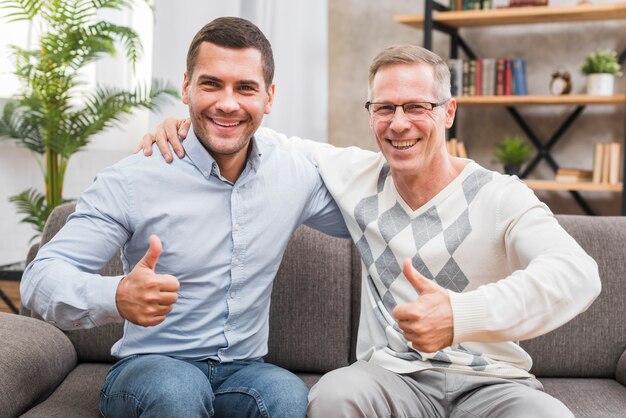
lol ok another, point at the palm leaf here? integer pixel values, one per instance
(23, 9)
(106, 108)
(32, 204)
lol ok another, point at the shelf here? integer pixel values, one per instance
(577, 186)
(520, 15)
(566, 99)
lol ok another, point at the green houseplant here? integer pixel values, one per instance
(50, 115)
(512, 152)
(601, 67)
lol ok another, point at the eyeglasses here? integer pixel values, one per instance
(413, 111)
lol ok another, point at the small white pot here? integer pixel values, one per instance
(600, 84)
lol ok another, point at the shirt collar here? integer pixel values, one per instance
(205, 162)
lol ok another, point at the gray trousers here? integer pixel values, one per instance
(368, 390)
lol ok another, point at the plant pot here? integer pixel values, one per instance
(600, 84)
(512, 170)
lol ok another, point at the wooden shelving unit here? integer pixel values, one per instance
(437, 17)
(520, 15)
(534, 100)
(577, 186)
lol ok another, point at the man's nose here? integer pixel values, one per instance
(227, 102)
(399, 121)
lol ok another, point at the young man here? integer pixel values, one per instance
(195, 306)
(459, 262)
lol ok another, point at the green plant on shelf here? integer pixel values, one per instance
(512, 152)
(601, 62)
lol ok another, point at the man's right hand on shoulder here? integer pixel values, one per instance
(172, 131)
(144, 297)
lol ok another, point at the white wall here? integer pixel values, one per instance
(298, 32)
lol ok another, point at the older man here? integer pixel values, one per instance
(459, 262)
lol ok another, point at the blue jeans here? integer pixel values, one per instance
(153, 385)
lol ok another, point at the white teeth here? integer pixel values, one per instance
(226, 124)
(403, 144)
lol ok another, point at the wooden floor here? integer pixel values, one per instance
(12, 289)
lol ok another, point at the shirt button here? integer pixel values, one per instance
(228, 327)
(77, 324)
(236, 227)
(205, 173)
(232, 295)
(236, 260)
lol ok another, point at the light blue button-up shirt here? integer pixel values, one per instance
(223, 241)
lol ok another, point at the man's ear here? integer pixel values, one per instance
(270, 98)
(185, 87)
(450, 112)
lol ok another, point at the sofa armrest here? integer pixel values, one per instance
(35, 357)
(620, 372)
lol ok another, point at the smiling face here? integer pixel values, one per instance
(411, 146)
(227, 99)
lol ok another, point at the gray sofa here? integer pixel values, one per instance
(45, 372)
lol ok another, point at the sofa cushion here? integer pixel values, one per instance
(77, 397)
(310, 312)
(591, 344)
(589, 398)
(34, 357)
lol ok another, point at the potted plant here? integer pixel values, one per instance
(512, 152)
(601, 67)
(53, 117)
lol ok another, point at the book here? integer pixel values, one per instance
(478, 78)
(471, 77)
(614, 159)
(508, 77)
(456, 148)
(519, 77)
(456, 76)
(598, 153)
(606, 161)
(499, 76)
(489, 77)
(573, 175)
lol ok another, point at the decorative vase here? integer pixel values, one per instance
(600, 84)
(512, 170)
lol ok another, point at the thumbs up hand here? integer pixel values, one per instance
(144, 297)
(426, 322)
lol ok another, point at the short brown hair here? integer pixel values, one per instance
(412, 54)
(233, 32)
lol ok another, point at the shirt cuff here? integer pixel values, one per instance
(470, 315)
(103, 290)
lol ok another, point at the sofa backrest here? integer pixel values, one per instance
(310, 315)
(315, 305)
(591, 344)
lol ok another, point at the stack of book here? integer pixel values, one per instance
(606, 167)
(527, 3)
(456, 148)
(571, 175)
(606, 163)
(488, 77)
(459, 5)
(462, 5)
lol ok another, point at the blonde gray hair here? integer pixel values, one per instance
(412, 54)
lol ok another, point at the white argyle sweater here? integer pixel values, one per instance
(511, 271)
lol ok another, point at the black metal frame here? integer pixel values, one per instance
(543, 148)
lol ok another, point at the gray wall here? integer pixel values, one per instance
(360, 28)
